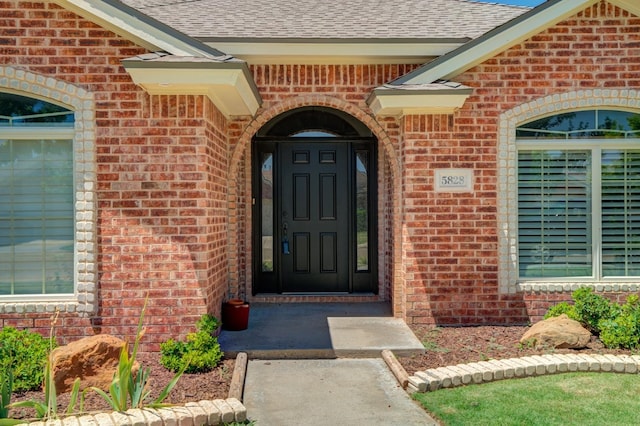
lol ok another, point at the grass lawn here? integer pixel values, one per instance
(561, 399)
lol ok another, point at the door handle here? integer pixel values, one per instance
(285, 239)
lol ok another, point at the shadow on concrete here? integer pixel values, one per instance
(320, 331)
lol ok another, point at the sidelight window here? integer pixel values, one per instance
(266, 192)
(362, 210)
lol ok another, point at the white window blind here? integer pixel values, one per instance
(620, 212)
(554, 213)
(36, 216)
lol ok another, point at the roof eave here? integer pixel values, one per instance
(229, 85)
(632, 6)
(138, 27)
(497, 40)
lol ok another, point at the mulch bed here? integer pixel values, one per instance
(445, 346)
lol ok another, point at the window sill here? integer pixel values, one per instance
(561, 287)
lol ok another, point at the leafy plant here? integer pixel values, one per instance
(6, 388)
(130, 389)
(623, 331)
(562, 308)
(48, 409)
(617, 326)
(591, 308)
(208, 324)
(25, 353)
(198, 354)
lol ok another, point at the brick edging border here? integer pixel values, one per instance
(537, 365)
(214, 412)
(206, 412)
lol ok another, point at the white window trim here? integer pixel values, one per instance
(84, 299)
(509, 121)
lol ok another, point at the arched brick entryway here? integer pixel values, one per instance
(389, 228)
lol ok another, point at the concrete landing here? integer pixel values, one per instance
(320, 330)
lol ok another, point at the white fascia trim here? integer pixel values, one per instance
(498, 40)
(342, 52)
(132, 26)
(401, 103)
(228, 88)
(633, 6)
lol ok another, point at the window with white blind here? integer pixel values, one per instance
(579, 196)
(36, 197)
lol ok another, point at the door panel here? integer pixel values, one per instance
(314, 217)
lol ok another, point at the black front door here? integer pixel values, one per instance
(314, 227)
(314, 217)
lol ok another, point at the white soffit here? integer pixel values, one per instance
(434, 98)
(499, 39)
(228, 85)
(338, 51)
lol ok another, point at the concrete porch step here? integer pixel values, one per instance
(320, 331)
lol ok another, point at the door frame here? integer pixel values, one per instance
(270, 282)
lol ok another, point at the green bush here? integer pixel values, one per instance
(617, 326)
(622, 331)
(562, 308)
(198, 354)
(592, 308)
(25, 353)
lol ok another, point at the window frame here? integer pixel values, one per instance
(595, 146)
(507, 183)
(85, 301)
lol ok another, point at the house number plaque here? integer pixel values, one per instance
(453, 180)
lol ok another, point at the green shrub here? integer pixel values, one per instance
(592, 308)
(622, 331)
(198, 354)
(208, 324)
(617, 326)
(562, 308)
(25, 353)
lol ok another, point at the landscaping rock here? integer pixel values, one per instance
(558, 332)
(93, 359)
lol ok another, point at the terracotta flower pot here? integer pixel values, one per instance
(235, 315)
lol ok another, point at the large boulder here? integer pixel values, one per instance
(557, 332)
(93, 359)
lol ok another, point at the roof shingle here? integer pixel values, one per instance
(328, 19)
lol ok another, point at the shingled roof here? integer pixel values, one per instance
(209, 20)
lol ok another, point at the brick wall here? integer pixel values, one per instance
(450, 243)
(161, 193)
(173, 181)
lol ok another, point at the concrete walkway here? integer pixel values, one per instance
(320, 364)
(328, 392)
